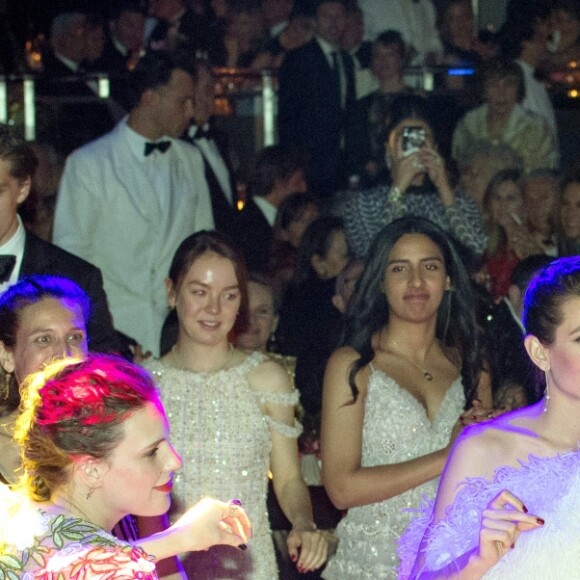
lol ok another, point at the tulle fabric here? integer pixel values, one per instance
(550, 489)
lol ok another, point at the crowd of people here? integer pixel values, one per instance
(359, 363)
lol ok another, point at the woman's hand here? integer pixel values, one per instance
(405, 169)
(434, 165)
(211, 522)
(308, 547)
(479, 413)
(519, 237)
(502, 523)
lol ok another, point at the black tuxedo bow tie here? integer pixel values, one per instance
(7, 262)
(201, 133)
(163, 146)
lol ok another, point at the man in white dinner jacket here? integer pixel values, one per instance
(128, 199)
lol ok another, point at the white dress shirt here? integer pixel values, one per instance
(267, 209)
(127, 214)
(74, 69)
(14, 247)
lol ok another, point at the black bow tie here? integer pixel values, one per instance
(7, 262)
(201, 133)
(163, 146)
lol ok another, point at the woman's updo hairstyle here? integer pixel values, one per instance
(75, 408)
(546, 294)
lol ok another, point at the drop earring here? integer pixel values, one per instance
(546, 393)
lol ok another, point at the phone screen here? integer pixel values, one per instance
(413, 139)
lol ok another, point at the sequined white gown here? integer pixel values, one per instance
(395, 429)
(219, 429)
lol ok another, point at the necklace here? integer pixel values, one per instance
(75, 511)
(177, 363)
(427, 375)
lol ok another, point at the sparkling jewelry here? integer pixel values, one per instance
(427, 375)
(395, 194)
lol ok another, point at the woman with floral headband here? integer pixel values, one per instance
(95, 447)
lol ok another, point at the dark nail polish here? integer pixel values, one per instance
(540, 521)
(524, 509)
(293, 558)
(474, 417)
(513, 546)
(242, 547)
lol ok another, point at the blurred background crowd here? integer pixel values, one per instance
(487, 148)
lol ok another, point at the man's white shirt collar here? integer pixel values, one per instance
(15, 247)
(267, 209)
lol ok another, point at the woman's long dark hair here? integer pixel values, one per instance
(368, 311)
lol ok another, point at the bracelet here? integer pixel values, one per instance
(395, 194)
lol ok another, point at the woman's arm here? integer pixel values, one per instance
(208, 523)
(347, 483)
(502, 519)
(306, 546)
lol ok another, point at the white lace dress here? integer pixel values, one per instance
(396, 429)
(549, 488)
(219, 429)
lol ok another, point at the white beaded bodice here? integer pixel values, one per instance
(218, 427)
(395, 429)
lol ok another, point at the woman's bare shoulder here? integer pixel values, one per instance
(345, 355)
(508, 438)
(270, 376)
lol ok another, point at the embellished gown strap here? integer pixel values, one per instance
(396, 429)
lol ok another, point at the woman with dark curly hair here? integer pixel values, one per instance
(394, 392)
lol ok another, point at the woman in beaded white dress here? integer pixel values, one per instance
(394, 392)
(231, 415)
(509, 501)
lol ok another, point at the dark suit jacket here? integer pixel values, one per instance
(196, 34)
(52, 82)
(114, 64)
(111, 60)
(364, 54)
(310, 115)
(254, 237)
(40, 257)
(224, 214)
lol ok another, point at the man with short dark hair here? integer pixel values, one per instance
(128, 199)
(23, 254)
(67, 49)
(126, 24)
(525, 41)
(277, 173)
(180, 27)
(316, 86)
